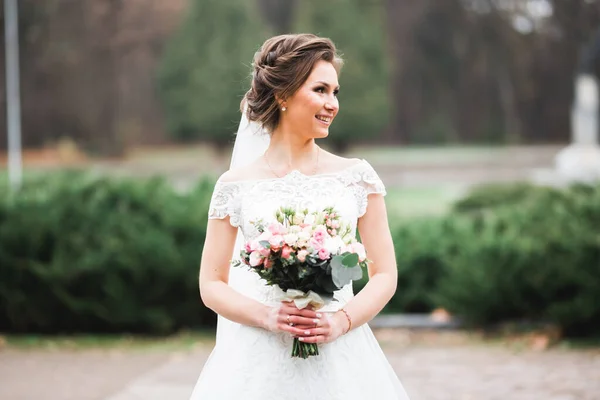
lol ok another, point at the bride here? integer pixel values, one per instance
(292, 102)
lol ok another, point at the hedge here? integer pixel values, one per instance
(84, 254)
(89, 254)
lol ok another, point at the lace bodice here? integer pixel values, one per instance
(249, 200)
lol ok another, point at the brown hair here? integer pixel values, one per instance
(280, 67)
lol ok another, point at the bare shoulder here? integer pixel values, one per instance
(255, 170)
(332, 162)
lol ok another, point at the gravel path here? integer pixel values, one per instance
(430, 369)
(71, 375)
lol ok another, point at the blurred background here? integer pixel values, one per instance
(481, 117)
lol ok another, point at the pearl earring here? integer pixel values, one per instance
(283, 108)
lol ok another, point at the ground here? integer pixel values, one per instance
(432, 366)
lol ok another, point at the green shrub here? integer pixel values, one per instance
(421, 247)
(85, 254)
(99, 255)
(497, 195)
(537, 259)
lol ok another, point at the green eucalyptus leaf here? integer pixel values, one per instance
(343, 275)
(351, 260)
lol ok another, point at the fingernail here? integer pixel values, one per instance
(307, 332)
(318, 315)
(301, 339)
(316, 321)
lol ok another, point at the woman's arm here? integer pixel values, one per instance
(216, 294)
(226, 301)
(383, 273)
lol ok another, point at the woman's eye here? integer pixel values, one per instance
(336, 92)
(320, 90)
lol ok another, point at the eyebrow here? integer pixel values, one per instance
(327, 84)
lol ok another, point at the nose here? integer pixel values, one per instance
(331, 106)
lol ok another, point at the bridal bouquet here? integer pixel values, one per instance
(308, 255)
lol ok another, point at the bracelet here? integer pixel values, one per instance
(348, 318)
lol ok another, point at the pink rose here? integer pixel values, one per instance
(255, 259)
(315, 244)
(276, 228)
(286, 252)
(323, 253)
(266, 235)
(247, 247)
(268, 263)
(264, 251)
(320, 234)
(252, 245)
(276, 241)
(302, 255)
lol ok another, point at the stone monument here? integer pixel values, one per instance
(580, 161)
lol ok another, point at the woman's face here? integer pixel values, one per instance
(313, 107)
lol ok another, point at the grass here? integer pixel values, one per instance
(181, 341)
(441, 156)
(413, 202)
(434, 155)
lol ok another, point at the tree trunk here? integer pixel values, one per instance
(402, 16)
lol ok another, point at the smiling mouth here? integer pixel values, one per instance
(326, 120)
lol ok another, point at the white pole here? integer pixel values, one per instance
(13, 97)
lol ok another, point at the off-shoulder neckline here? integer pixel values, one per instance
(296, 173)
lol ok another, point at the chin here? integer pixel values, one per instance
(321, 134)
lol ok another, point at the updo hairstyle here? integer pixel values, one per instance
(280, 67)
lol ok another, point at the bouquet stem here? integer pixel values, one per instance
(304, 350)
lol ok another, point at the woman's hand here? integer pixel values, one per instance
(329, 328)
(288, 318)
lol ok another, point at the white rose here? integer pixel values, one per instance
(295, 229)
(298, 218)
(333, 244)
(304, 235)
(291, 239)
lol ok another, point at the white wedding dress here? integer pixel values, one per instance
(253, 364)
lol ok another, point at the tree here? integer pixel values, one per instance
(205, 68)
(279, 14)
(87, 71)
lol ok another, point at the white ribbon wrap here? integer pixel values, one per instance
(301, 299)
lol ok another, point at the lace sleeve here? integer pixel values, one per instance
(225, 201)
(367, 182)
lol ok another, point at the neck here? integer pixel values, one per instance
(288, 151)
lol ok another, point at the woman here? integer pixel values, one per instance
(294, 98)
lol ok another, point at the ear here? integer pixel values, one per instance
(281, 101)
